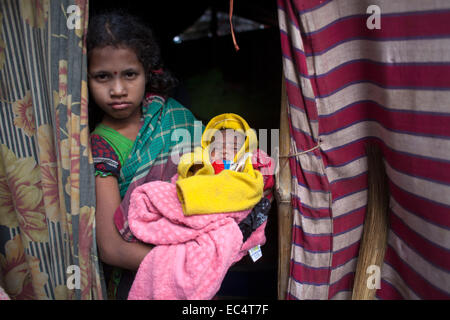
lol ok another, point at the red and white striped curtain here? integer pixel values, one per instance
(350, 80)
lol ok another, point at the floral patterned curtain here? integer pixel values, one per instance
(47, 203)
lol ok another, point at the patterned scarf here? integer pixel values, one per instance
(151, 156)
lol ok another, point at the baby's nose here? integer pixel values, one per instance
(228, 154)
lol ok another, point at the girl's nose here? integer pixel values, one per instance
(118, 88)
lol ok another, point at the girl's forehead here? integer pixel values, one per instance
(113, 57)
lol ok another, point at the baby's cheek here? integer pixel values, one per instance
(212, 155)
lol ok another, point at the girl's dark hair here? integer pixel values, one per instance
(122, 29)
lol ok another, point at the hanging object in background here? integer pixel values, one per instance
(202, 27)
(375, 231)
(231, 26)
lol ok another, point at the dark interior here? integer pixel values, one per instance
(215, 79)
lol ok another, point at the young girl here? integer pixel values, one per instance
(132, 143)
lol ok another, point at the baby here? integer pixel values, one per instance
(225, 175)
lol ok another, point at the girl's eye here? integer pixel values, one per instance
(130, 75)
(101, 77)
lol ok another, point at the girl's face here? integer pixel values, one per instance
(117, 82)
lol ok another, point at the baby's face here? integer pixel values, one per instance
(226, 144)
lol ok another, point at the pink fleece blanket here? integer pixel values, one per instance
(192, 254)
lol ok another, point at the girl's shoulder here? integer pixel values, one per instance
(174, 106)
(106, 160)
(170, 106)
(182, 116)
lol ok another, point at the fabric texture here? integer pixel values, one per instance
(106, 160)
(156, 151)
(255, 218)
(227, 191)
(154, 139)
(347, 85)
(198, 158)
(192, 254)
(207, 192)
(121, 145)
(47, 204)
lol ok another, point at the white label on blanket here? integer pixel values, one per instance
(255, 253)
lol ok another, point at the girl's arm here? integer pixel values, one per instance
(113, 249)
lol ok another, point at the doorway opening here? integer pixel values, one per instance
(216, 79)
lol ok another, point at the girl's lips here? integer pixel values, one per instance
(120, 106)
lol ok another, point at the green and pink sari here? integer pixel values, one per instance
(168, 131)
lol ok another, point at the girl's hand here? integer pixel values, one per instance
(113, 249)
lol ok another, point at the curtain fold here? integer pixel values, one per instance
(348, 84)
(47, 198)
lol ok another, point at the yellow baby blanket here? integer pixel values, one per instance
(202, 191)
